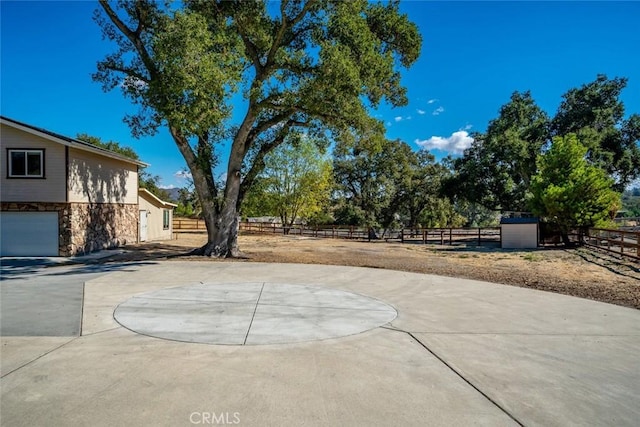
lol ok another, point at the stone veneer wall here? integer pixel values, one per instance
(96, 226)
(85, 227)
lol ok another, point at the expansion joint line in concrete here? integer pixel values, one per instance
(455, 371)
(39, 357)
(254, 315)
(82, 309)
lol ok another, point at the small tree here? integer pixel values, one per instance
(295, 183)
(568, 191)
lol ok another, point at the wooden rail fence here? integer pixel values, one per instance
(188, 224)
(444, 236)
(623, 242)
(440, 236)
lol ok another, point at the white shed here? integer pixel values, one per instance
(156, 217)
(519, 233)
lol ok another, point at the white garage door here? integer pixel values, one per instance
(29, 233)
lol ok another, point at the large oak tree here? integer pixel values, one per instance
(312, 66)
(495, 172)
(595, 113)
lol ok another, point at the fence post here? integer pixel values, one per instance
(450, 236)
(424, 236)
(479, 237)
(441, 237)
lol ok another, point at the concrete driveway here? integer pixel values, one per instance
(38, 297)
(459, 352)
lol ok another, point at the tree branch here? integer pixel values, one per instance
(252, 51)
(273, 121)
(132, 36)
(205, 156)
(258, 162)
(286, 24)
(127, 71)
(303, 12)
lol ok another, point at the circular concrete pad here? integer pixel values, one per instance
(251, 313)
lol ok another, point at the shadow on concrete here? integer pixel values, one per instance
(146, 252)
(101, 268)
(11, 268)
(19, 268)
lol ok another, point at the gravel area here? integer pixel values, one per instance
(580, 272)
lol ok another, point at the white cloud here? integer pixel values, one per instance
(409, 118)
(167, 187)
(131, 82)
(388, 123)
(421, 112)
(468, 127)
(455, 144)
(398, 118)
(431, 101)
(277, 126)
(183, 174)
(438, 111)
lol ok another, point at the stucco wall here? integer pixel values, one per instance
(51, 188)
(155, 229)
(97, 179)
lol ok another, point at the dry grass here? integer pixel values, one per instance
(578, 272)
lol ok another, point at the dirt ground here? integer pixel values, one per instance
(580, 272)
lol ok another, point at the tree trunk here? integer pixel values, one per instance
(582, 232)
(222, 237)
(221, 221)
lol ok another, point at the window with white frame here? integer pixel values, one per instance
(165, 219)
(25, 163)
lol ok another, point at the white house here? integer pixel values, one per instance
(156, 217)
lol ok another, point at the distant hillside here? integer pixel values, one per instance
(631, 202)
(173, 194)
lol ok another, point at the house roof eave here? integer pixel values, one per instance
(69, 142)
(155, 198)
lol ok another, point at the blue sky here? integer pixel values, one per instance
(475, 54)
